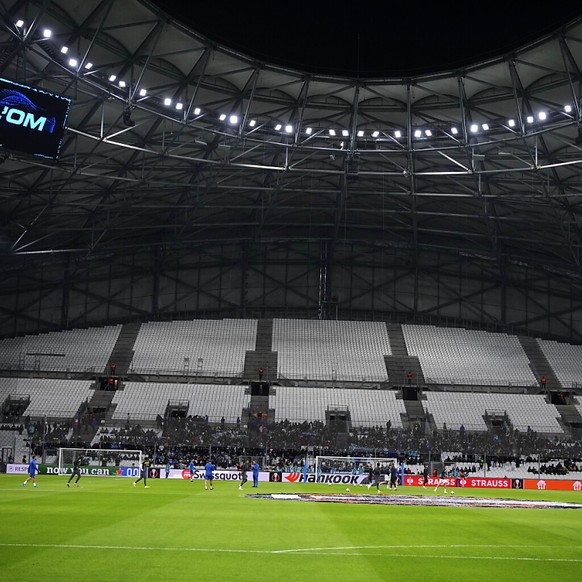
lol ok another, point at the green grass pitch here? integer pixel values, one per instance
(108, 530)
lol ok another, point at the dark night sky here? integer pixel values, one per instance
(383, 38)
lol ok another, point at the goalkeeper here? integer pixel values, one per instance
(76, 471)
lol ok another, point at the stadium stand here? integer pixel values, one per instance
(524, 411)
(331, 350)
(48, 397)
(76, 350)
(471, 357)
(565, 360)
(147, 400)
(201, 347)
(367, 407)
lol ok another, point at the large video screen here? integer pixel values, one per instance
(32, 121)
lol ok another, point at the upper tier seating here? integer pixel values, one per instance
(203, 347)
(470, 357)
(468, 408)
(565, 360)
(145, 400)
(331, 350)
(76, 350)
(367, 407)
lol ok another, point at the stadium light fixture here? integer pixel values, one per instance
(542, 115)
(454, 130)
(252, 123)
(19, 23)
(530, 118)
(278, 127)
(64, 49)
(417, 133)
(73, 63)
(112, 78)
(142, 92)
(88, 66)
(375, 133)
(360, 133)
(122, 84)
(288, 129)
(397, 134)
(568, 108)
(47, 33)
(511, 123)
(332, 132)
(167, 102)
(474, 128)
(222, 116)
(428, 132)
(179, 106)
(485, 126)
(233, 119)
(197, 111)
(345, 133)
(308, 130)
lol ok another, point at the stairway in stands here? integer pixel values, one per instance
(399, 364)
(122, 353)
(262, 356)
(539, 363)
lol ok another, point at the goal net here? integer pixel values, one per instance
(359, 466)
(101, 462)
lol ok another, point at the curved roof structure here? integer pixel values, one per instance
(173, 142)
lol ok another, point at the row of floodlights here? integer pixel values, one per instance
(234, 119)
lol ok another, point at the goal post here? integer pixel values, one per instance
(329, 465)
(101, 462)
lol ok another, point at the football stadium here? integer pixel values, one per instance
(265, 317)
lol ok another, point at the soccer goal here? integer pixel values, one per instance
(101, 462)
(353, 465)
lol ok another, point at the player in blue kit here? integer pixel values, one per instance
(255, 474)
(209, 475)
(192, 468)
(32, 471)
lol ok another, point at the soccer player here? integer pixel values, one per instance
(377, 476)
(76, 471)
(144, 473)
(32, 471)
(255, 474)
(442, 480)
(209, 475)
(243, 474)
(192, 469)
(370, 476)
(425, 477)
(394, 477)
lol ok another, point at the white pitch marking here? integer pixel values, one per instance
(315, 551)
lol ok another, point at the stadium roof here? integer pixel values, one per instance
(173, 140)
